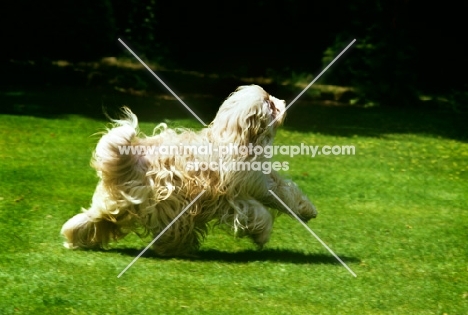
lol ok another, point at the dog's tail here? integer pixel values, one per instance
(122, 188)
(82, 231)
(118, 157)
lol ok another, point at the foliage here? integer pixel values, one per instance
(403, 49)
(138, 24)
(380, 64)
(58, 30)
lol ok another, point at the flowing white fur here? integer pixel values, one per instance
(144, 193)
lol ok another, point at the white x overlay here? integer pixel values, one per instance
(203, 123)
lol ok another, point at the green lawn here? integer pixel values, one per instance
(396, 213)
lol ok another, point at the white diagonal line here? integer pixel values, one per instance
(310, 84)
(165, 85)
(162, 232)
(312, 232)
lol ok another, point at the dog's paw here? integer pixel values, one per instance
(306, 210)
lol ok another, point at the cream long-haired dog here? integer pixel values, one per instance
(143, 192)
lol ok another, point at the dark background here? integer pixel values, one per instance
(404, 48)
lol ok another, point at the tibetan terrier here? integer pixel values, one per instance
(217, 174)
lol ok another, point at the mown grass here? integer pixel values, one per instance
(396, 213)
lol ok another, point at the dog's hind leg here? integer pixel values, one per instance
(181, 237)
(252, 219)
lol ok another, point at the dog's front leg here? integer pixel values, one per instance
(291, 196)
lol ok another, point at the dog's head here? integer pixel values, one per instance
(246, 115)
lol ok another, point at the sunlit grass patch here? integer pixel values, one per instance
(395, 212)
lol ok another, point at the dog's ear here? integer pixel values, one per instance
(276, 107)
(232, 125)
(242, 128)
(244, 117)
